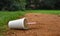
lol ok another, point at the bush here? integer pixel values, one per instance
(11, 5)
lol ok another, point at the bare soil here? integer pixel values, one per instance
(47, 25)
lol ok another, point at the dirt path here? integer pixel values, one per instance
(47, 25)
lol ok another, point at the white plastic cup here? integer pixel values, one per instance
(18, 24)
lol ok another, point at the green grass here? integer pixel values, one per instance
(6, 16)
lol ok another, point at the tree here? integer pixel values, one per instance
(12, 4)
(45, 4)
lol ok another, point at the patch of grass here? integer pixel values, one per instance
(45, 11)
(6, 16)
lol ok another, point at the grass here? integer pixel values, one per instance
(6, 16)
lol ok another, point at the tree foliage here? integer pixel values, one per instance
(29, 4)
(44, 4)
(11, 4)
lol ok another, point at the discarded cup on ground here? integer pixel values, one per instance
(18, 24)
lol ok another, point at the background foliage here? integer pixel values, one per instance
(29, 4)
